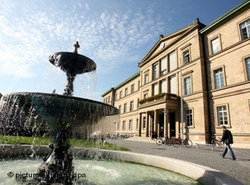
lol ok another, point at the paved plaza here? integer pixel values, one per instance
(239, 169)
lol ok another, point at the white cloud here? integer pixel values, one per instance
(108, 38)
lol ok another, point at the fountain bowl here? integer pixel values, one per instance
(72, 63)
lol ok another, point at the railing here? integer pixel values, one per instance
(158, 98)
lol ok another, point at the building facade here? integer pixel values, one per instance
(207, 67)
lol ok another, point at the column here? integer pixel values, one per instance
(165, 123)
(168, 124)
(147, 125)
(155, 116)
(140, 124)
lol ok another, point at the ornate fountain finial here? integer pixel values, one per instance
(76, 46)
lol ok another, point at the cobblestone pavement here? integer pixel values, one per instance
(239, 169)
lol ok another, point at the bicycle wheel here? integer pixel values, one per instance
(159, 142)
(169, 142)
(188, 143)
(176, 143)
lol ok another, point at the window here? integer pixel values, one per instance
(189, 117)
(123, 125)
(120, 94)
(132, 88)
(245, 29)
(155, 89)
(137, 124)
(163, 86)
(131, 106)
(215, 45)
(155, 70)
(163, 66)
(144, 123)
(116, 96)
(126, 92)
(118, 125)
(109, 99)
(186, 57)
(219, 78)
(173, 84)
(172, 61)
(139, 84)
(187, 85)
(130, 124)
(222, 115)
(125, 108)
(145, 95)
(248, 68)
(120, 108)
(146, 79)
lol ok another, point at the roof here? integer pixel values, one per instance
(123, 83)
(225, 16)
(178, 34)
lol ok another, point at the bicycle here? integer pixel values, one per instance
(174, 141)
(186, 142)
(216, 142)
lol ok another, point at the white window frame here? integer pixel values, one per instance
(223, 111)
(162, 90)
(215, 48)
(186, 55)
(172, 61)
(131, 106)
(188, 86)
(130, 124)
(217, 75)
(246, 26)
(132, 88)
(163, 70)
(155, 89)
(146, 78)
(125, 108)
(123, 125)
(126, 92)
(155, 70)
(189, 121)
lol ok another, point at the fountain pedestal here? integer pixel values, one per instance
(58, 167)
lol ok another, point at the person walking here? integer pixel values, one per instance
(227, 138)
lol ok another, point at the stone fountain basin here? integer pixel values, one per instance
(202, 174)
(72, 63)
(54, 108)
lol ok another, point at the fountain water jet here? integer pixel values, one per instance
(60, 112)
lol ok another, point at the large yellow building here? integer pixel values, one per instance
(208, 66)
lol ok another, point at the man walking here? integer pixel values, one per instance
(227, 138)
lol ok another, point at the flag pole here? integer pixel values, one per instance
(181, 104)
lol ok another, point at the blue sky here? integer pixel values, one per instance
(116, 34)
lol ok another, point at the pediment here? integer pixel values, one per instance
(165, 42)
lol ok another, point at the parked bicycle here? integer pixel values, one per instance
(175, 142)
(216, 142)
(186, 142)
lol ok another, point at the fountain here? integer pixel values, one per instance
(60, 112)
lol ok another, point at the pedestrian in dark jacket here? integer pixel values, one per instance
(227, 138)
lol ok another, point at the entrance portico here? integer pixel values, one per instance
(160, 117)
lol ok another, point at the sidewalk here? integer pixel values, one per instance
(239, 169)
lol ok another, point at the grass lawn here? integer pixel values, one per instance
(46, 140)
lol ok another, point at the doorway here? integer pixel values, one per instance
(172, 124)
(161, 124)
